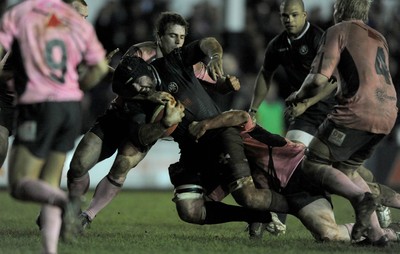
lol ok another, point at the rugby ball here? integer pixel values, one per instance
(158, 114)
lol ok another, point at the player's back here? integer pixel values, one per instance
(368, 50)
(367, 89)
(51, 39)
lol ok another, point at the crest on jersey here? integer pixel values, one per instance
(303, 50)
(173, 87)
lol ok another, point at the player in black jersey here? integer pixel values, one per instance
(121, 129)
(294, 49)
(222, 148)
(108, 132)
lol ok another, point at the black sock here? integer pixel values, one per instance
(217, 212)
(282, 217)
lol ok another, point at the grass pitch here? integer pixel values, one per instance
(146, 222)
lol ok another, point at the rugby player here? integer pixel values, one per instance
(365, 112)
(40, 33)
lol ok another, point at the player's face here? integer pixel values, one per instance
(81, 9)
(144, 85)
(173, 38)
(293, 18)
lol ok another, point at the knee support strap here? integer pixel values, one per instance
(188, 191)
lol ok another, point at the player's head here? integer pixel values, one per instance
(293, 16)
(133, 76)
(170, 31)
(80, 6)
(351, 9)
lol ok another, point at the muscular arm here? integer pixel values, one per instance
(223, 85)
(296, 109)
(315, 85)
(263, 82)
(150, 132)
(226, 119)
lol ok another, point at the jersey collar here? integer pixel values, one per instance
(300, 35)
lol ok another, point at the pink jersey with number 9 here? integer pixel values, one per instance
(53, 39)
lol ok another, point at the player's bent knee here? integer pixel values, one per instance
(116, 180)
(191, 211)
(86, 155)
(244, 198)
(190, 203)
(16, 190)
(375, 188)
(123, 164)
(247, 195)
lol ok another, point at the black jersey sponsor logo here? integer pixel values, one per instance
(283, 49)
(303, 50)
(173, 87)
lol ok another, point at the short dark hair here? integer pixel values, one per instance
(167, 18)
(293, 2)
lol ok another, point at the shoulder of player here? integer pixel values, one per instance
(315, 29)
(277, 42)
(147, 49)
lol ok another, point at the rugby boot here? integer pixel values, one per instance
(384, 216)
(71, 224)
(381, 242)
(85, 221)
(275, 227)
(256, 230)
(363, 211)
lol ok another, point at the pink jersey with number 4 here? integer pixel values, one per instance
(367, 97)
(53, 39)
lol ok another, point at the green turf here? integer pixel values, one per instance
(146, 222)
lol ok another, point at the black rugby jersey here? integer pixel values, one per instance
(296, 57)
(177, 77)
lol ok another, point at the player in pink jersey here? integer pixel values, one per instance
(49, 39)
(365, 113)
(7, 111)
(276, 164)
